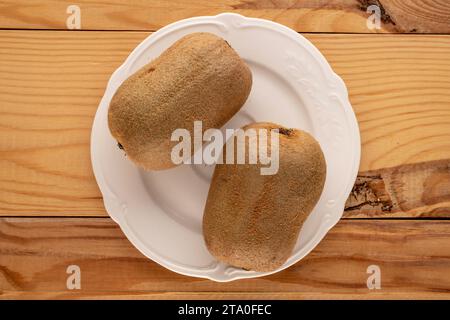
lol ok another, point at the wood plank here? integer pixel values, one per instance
(35, 252)
(415, 16)
(411, 190)
(52, 82)
(130, 295)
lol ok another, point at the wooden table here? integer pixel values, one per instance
(52, 215)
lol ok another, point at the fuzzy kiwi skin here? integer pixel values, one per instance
(200, 77)
(252, 221)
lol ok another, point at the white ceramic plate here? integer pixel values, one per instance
(293, 85)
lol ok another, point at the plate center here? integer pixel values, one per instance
(181, 192)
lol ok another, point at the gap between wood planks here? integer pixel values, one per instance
(343, 218)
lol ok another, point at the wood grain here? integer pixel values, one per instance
(415, 16)
(51, 83)
(419, 189)
(35, 252)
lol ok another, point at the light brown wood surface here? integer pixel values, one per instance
(52, 81)
(51, 211)
(410, 190)
(35, 253)
(410, 16)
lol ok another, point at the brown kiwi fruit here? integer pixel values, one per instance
(200, 77)
(252, 221)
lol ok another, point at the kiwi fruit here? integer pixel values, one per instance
(199, 78)
(252, 221)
